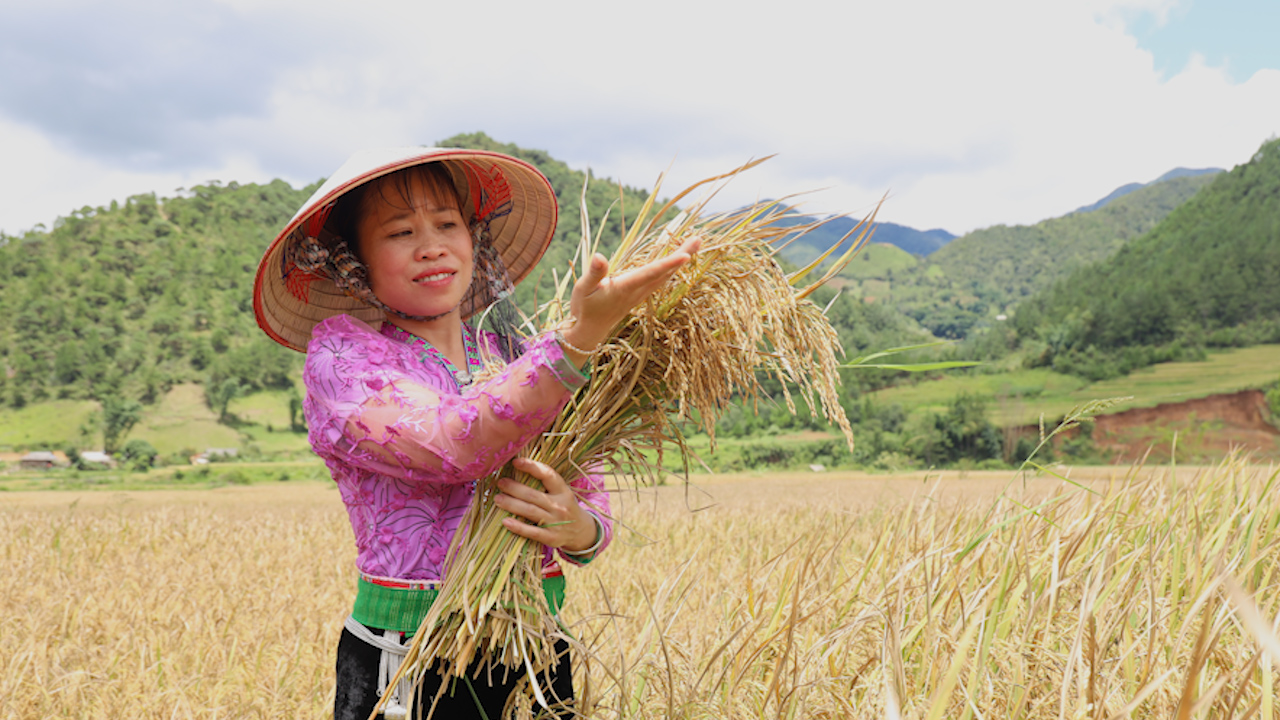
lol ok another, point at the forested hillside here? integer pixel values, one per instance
(124, 301)
(1205, 276)
(117, 304)
(971, 279)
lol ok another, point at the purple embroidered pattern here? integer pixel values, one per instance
(405, 446)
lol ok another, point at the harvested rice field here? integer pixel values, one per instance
(1119, 593)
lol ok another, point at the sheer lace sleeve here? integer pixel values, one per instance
(593, 498)
(373, 405)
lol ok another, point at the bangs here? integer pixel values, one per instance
(399, 189)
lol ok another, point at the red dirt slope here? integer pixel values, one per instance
(1207, 428)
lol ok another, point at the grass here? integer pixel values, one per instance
(181, 421)
(875, 261)
(867, 275)
(733, 454)
(1013, 396)
(213, 475)
(276, 441)
(1019, 397)
(41, 422)
(1222, 372)
(782, 596)
(268, 408)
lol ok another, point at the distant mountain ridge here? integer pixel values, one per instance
(925, 242)
(1123, 190)
(819, 240)
(916, 242)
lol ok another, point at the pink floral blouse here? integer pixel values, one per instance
(405, 446)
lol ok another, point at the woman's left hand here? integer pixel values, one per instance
(600, 301)
(552, 516)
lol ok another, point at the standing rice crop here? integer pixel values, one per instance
(1147, 593)
(699, 342)
(1150, 593)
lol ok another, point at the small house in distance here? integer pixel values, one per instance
(43, 460)
(96, 458)
(214, 454)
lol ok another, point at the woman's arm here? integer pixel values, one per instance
(371, 414)
(375, 417)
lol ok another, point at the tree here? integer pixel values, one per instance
(963, 432)
(138, 455)
(119, 415)
(221, 394)
(297, 420)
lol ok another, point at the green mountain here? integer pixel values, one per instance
(128, 300)
(115, 306)
(973, 279)
(1205, 276)
(879, 261)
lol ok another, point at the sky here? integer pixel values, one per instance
(961, 114)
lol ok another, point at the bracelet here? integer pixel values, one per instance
(570, 346)
(594, 548)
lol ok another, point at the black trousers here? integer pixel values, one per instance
(357, 685)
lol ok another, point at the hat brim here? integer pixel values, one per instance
(513, 196)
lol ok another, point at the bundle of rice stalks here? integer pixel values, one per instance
(699, 342)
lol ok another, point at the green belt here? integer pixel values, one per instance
(402, 609)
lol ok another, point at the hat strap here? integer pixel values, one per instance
(493, 293)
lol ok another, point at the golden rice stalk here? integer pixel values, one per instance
(696, 345)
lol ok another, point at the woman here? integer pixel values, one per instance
(375, 278)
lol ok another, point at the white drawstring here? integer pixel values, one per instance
(393, 653)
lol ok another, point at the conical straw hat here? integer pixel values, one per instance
(515, 198)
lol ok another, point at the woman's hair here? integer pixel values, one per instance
(396, 190)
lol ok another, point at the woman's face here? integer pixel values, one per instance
(416, 246)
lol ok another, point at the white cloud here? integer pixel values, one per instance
(44, 180)
(970, 113)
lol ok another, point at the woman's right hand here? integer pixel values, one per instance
(599, 302)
